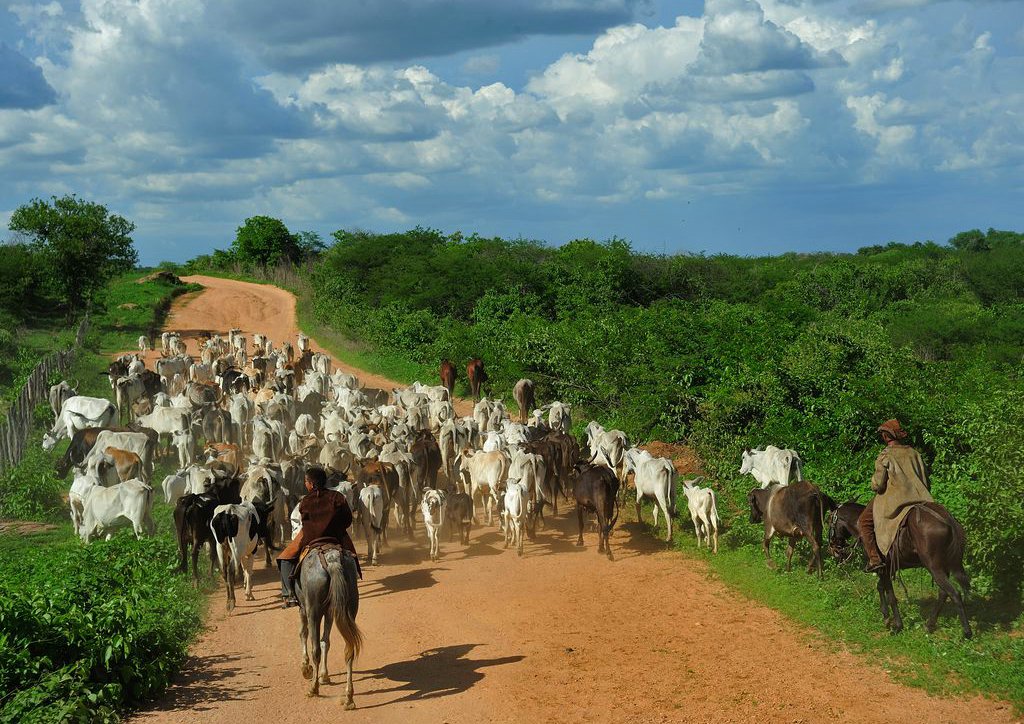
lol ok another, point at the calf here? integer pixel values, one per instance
(460, 516)
(795, 511)
(117, 465)
(596, 489)
(703, 511)
(514, 515)
(433, 509)
(106, 509)
(235, 530)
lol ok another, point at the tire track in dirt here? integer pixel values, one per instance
(560, 635)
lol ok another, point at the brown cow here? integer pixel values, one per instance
(476, 376)
(795, 511)
(127, 464)
(523, 392)
(448, 376)
(596, 491)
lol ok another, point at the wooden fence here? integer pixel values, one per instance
(15, 430)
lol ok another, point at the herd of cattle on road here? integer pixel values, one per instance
(244, 418)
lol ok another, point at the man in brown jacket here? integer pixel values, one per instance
(900, 481)
(325, 516)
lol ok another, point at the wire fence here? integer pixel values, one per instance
(14, 431)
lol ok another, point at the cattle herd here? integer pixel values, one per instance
(243, 418)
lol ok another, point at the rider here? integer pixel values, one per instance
(900, 480)
(325, 517)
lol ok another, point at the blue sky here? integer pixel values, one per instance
(726, 126)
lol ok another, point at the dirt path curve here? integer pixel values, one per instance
(560, 635)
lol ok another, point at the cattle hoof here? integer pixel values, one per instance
(350, 705)
(579, 544)
(231, 606)
(250, 597)
(307, 671)
(968, 633)
(325, 680)
(313, 692)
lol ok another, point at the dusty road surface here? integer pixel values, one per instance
(559, 635)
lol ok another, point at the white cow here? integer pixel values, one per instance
(78, 413)
(80, 489)
(772, 465)
(126, 504)
(454, 436)
(607, 447)
(371, 509)
(174, 486)
(433, 507)
(703, 511)
(136, 442)
(514, 514)
(495, 442)
(655, 478)
(185, 442)
(559, 416)
(235, 535)
(487, 472)
(482, 414)
(58, 394)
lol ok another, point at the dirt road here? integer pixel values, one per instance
(559, 635)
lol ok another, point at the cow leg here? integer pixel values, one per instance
(714, 528)
(790, 547)
(767, 553)
(579, 518)
(696, 527)
(815, 561)
(668, 519)
(600, 531)
(248, 565)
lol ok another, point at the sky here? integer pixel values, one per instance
(724, 126)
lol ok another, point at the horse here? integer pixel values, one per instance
(843, 526)
(930, 538)
(328, 592)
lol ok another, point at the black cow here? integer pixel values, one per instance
(192, 515)
(596, 489)
(459, 511)
(795, 511)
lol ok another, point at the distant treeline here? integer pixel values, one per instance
(810, 351)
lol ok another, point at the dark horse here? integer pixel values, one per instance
(929, 538)
(328, 595)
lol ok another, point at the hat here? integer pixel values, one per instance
(893, 429)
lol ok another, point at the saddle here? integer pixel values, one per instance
(321, 546)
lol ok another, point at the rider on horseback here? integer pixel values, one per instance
(326, 517)
(900, 481)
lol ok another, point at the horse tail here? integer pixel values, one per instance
(339, 592)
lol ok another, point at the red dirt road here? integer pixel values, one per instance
(559, 635)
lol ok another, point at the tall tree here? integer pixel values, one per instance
(265, 240)
(82, 245)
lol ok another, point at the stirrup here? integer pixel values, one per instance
(874, 567)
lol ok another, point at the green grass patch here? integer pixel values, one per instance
(87, 632)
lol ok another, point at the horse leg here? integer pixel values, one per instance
(579, 518)
(890, 593)
(307, 668)
(314, 640)
(325, 647)
(945, 586)
(934, 618)
(883, 602)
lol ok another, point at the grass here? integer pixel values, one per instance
(88, 631)
(842, 610)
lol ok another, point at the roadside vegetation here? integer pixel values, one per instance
(86, 632)
(809, 351)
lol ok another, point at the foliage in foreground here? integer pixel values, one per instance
(88, 631)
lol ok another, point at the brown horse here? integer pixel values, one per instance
(448, 376)
(476, 376)
(929, 538)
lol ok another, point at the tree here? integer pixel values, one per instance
(265, 240)
(81, 244)
(310, 243)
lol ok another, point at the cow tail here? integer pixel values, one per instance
(340, 594)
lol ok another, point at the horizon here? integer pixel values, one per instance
(731, 126)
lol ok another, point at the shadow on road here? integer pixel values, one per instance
(205, 680)
(413, 580)
(434, 673)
